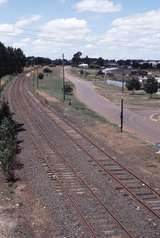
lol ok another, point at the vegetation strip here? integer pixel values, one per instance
(8, 144)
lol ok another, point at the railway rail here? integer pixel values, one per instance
(128, 182)
(98, 219)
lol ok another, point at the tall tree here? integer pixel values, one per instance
(100, 61)
(12, 60)
(151, 86)
(3, 60)
(133, 84)
(76, 60)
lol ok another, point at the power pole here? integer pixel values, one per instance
(122, 102)
(63, 78)
(37, 77)
(33, 72)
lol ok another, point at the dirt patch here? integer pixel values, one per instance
(21, 214)
(36, 214)
(136, 154)
(12, 224)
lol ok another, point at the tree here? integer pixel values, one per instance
(76, 60)
(68, 89)
(100, 61)
(86, 60)
(3, 60)
(12, 60)
(146, 66)
(158, 66)
(133, 84)
(151, 86)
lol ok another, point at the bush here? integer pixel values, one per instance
(100, 73)
(8, 145)
(41, 76)
(68, 89)
(81, 72)
(47, 70)
(133, 84)
(151, 86)
(5, 112)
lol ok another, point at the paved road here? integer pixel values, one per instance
(138, 124)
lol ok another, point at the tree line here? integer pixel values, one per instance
(77, 59)
(150, 86)
(32, 60)
(12, 60)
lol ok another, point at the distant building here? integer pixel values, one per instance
(109, 70)
(83, 66)
(154, 63)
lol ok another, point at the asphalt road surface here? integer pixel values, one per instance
(139, 124)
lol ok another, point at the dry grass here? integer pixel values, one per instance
(139, 99)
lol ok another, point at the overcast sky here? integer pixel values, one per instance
(107, 28)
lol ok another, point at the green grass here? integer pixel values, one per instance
(52, 84)
(84, 111)
(113, 93)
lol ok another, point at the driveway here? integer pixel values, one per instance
(138, 124)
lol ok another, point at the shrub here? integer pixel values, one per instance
(100, 73)
(151, 86)
(47, 70)
(41, 76)
(81, 72)
(8, 145)
(68, 89)
(133, 84)
(5, 112)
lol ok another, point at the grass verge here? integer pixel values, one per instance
(84, 111)
(52, 84)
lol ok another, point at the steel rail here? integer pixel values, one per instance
(108, 172)
(41, 129)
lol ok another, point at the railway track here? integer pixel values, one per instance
(128, 182)
(98, 219)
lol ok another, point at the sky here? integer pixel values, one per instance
(120, 29)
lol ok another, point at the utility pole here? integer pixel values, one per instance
(63, 78)
(122, 102)
(33, 73)
(37, 77)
